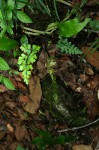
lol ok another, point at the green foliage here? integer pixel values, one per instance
(67, 47)
(50, 67)
(43, 7)
(23, 17)
(94, 24)
(20, 148)
(27, 58)
(6, 44)
(7, 82)
(3, 64)
(45, 138)
(71, 27)
(21, 3)
(10, 43)
(9, 12)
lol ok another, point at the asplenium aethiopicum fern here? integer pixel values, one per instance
(67, 47)
(26, 60)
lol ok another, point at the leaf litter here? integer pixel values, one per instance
(21, 111)
(20, 108)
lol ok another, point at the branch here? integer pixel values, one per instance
(77, 128)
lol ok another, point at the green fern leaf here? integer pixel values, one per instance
(26, 60)
(67, 47)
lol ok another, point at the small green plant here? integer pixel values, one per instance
(94, 25)
(9, 13)
(10, 44)
(45, 139)
(20, 148)
(71, 27)
(27, 58)
(67, 47)
(4, 67)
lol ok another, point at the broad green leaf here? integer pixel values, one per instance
(10, 4)
(23, 17)
(71, 27)
(1, 17)
(1, 78)
(21, 3)
(19, 148)
(8, 84)
(3, 64)
(7, 44)
(9, 15)
(9, 30)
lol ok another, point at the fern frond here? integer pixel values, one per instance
(27, 58)
(67, 47)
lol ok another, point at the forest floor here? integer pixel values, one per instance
(28, 112)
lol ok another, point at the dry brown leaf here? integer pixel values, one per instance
(92, 106)
(19, 84)
(11, 104)
(3, 88)
(92, 2)
(2, 134)
(13, 146)
(89, 71)
(35, 95)
(23, 99)
(93, 82)
(10, 128)
(20, 132)
(41, 64)
(91, 56)
(82, 147)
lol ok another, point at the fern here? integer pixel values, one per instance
(27, 58)
(94, 24)
(67, 47)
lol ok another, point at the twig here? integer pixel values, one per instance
(77, 128)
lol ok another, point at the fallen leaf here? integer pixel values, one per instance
(91, 56)
(2, 134)
(19, 85)
(92, 2)
(89, 71)
(98, 94)
(10, 128)
(14, 146)
(35, 95)
(93, 82)
(20, 132)
(92, 106)
(41, 64)
(82, 147)
(23, 99)
(10, 104)
(83, 78)
(3, 88)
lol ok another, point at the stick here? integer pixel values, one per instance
(77, 128)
